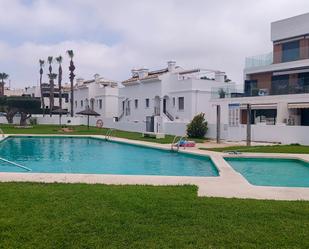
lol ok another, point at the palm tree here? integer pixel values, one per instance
(42, 62)
(3, 76)
(59, 60)
(51, 84)
(72, 75)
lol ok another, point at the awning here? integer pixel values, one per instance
(299, 105)
(260, 106)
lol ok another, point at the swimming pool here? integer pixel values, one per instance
(96, 156)
(272, 171)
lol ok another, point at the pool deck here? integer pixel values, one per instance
(230, 184)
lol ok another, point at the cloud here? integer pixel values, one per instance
(111, 37)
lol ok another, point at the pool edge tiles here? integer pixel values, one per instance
(267, 171)
(188, 168)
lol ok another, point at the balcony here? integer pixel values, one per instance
(259, 60)
(277, 91)
(277, 57)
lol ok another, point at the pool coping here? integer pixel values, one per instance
(229, 183)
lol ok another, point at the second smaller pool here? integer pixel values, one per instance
(272, 171)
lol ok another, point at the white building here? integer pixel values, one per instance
(277, 88)
(13, 92)
(99, 94)
(166, 100)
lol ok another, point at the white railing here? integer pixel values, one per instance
(177, 144)
(109, 133)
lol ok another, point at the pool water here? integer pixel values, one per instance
(97, 156)
(272, 171)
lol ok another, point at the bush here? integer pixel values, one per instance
(33, 121)
(198, 126)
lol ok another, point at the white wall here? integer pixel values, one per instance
(290, 27)
(65, 120)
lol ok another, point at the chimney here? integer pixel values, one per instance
(142, 73)
(134, 72)
(79, 81)
(96, 78)
(220, 76)
(171, 66)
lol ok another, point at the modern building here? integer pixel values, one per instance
(34, 91)
(166, 100)
(276, 86)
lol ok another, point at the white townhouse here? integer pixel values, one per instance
(99, 94)
(276, 86)
(166, 100)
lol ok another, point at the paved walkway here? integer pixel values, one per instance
(229, 184)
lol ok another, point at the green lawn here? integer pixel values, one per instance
(82, 130)
(100, 216)
(293, 149)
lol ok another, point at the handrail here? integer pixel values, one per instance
(170, 117)
(15, 164)
(178, 142)
(109, 133)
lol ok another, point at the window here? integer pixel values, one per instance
(251, 88)
(181, 103)
(280, 84)
(234, 114)
(147, 103)
(100, 103)
(290, 51)
(128, 109)
(174, 102)
(92, 104)
(136, 103)
(81, 103)
(75, 104)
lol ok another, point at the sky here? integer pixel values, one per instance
(112, 37)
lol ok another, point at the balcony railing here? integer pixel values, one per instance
(286, 55)
(259, 60)
(278, 91)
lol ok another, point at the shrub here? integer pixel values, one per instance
(198, 126)
(33, 121)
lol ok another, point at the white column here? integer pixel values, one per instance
(282, 112)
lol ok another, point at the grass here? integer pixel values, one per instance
(83, 130)
(99, 216)
(292, 149)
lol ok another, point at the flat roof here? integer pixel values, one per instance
(290, 27)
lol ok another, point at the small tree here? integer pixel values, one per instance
(198, 126)
(26, 106)
(221, 93)
(23, 105)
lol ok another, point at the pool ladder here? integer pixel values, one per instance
(176, 144)
(109, 133)
(15, 164)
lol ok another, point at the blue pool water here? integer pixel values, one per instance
(96, 156)
(272, 171)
